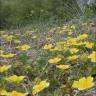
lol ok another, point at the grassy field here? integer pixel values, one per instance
(49, 59)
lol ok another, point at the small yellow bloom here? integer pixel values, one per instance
(92, 56)
(63, 66)
(1, 51)
(48, 46)
(74, 57)
(82, 36)
(49, 39)
(83, 83)
(54, 60)
(55, 49)
(17, 41)
(10, 55)
(4, 68)
(34, 37)
(65, 27)
(72, 41)
(60, 43)
(8, 37)
(39, 87)
(70, 33)
(14, 93)
(73, 50)
(73, 27)
(80, 43)
(4, 93)
(23, 47)
(89, 45)
(15, 78)
(84, 57)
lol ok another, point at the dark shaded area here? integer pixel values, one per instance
(21, 12)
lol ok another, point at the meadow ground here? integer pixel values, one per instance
(49, 60)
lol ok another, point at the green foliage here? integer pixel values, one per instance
(17, 13)
(90, 11)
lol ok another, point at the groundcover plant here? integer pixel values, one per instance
(60, 62)
(47, 47)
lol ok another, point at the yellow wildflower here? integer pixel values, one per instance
(73, 50)
(83, 83)
(1, 51)
(17, 41)
(84, 57)
(89, 45)
(34, 37)
(92, 56)
(63, 66)
(70, 33)
(65, 27)
(60, 43)
(14, 93)
(73, 27)
(54, 60)
(15, 78)
(82, 36)
(23, 47)
(49, 39)
(39, 87)
(74, 57)
(72, 41)
(10, 55)
(4, 68)
(55, 49)
(4, 93)
(48, 46)
(80, 43)
(9, 38)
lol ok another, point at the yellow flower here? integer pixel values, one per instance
(17, 41)
(4, 93)
(55, 49)
(80, 43)
(73, 27)
(74, 57)
(34, 37)
(14, 93)
(65, 27)
(4, 68)
(23, 47)
(72, 41)
(63, 66)
(74, 50)
(84, 57)
(48, 46)
(83, 83)
(60, 43)
(1, 51)
(8, 38)
(70, 33)
(15, 78)
(10, 55)
(54, 60)
(39, 87)
(89, 45)
(49, 39)
(92, 56)
(82, 36)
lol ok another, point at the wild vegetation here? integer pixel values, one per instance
(52, 55)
